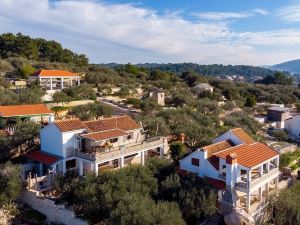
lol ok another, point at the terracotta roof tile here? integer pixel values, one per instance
(43, 157)
(55, 73)
(105, 135)
(249, 155)
(217, 147)
(242, 135)
(24, 110)
(69, 125)
(124, 123)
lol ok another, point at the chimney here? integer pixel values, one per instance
(231, 170)
(231, 158)
(181, 137)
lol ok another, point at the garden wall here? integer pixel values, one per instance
(54, 213)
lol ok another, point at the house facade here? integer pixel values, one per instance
(53, 80)
(94, 146)
(278, 115)
(243, 170)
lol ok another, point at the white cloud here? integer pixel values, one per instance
(290, 13)
(221, 16)
(261, 11)
(129, 33)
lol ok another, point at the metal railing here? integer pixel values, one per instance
(121, 151)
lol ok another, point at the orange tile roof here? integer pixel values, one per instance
(24, 110)
(42, 157)
(249, 155)
(217, 147)
(124, 123)
(69, 125)
(98, 136)
(55, 73)
(242, 135)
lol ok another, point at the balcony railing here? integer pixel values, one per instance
(244, 184)
(121, 151)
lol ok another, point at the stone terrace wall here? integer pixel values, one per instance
(54, 213)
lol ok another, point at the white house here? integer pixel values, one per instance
(51, 80)
(85, 146)
(242, 169)
(158, 95)
(38, 113)
(292, 126)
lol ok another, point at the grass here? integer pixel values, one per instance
(59, 108)
(287, 158)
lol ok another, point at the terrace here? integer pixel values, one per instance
(103, 153)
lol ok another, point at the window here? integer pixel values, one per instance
(71, 164)
(195, 162)
(113, 140)
(129, 137)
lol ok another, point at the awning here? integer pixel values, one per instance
(43, 157)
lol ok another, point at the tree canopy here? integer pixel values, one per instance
(20, 45)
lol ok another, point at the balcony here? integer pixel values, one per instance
(244, 184)
(116, 152)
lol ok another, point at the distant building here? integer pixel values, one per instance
(52, 80)
(38, 113)
(292, 125)
(18, 84)
(204, 87)
(75, 146)
(278, 115)
(243, 170)
(158, 95)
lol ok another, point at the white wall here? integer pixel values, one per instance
(186, 163)
(204, 169)
(51, 140)
(226, 136)
(293, 126)
(69, 140)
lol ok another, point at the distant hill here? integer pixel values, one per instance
(290, 66)
(249, 72)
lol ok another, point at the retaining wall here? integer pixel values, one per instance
(54, 213)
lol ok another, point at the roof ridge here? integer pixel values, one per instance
(215, 143)
(108, 118)
(102, 131)
(230, 148)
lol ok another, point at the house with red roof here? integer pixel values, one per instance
(39, 113)
(75, 146)
(243, 170)
(52, 80)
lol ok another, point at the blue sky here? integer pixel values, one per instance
(256, 32)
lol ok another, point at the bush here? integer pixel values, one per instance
(177, 151)
(10, 183)
(281, 135)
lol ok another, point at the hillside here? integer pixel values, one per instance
(38, 49)
(251, 73)
(290, 66)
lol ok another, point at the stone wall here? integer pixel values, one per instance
(54, 213)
